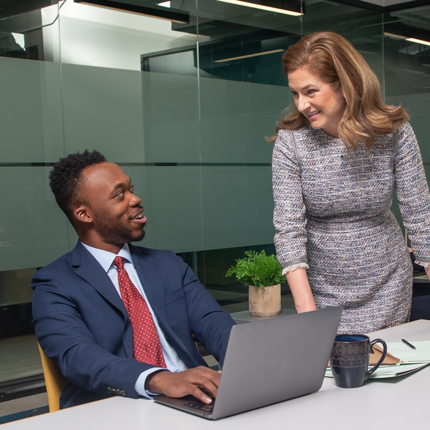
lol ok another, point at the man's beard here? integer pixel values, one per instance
(115, 232)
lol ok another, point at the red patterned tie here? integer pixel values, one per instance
(146, 344)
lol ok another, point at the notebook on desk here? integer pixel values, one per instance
(268, 362)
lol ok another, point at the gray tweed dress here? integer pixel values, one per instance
(332, 215)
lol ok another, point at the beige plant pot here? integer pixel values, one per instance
(265, 302)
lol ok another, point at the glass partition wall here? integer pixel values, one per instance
(181, 94)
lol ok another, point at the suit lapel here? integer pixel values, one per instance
(152, 283)
(89, 269)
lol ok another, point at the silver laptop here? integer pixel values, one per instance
(267, 362)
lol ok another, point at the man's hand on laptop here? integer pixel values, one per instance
(180, 384)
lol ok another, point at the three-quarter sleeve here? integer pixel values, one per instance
(289, 213)
(413, 193)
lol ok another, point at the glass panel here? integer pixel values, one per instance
(407, 68)
(242, 92)
(362, 27)
(32, 227)
(236, 117)
(171, 197)
(30, 117)
(183, 104)
(103, 111)
(33, 231)
(170, 118)
(237, 206)
(407, 71)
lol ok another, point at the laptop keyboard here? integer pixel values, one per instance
(197, 404)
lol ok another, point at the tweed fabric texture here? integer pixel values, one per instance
(332, 212)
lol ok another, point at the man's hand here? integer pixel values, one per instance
(180, 384)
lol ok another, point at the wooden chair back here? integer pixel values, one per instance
(54, 380)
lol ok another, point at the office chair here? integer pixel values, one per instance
(54, 380)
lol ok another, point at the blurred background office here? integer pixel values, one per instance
(181, 95)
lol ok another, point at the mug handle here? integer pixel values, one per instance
(384, 353)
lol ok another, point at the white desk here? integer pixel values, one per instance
(400, 403)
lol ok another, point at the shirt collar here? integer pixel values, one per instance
(106, 258)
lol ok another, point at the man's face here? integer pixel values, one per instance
(116, 214)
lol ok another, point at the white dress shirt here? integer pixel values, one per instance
(172, 359)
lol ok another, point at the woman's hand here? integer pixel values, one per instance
(427, 269)
(301, 290)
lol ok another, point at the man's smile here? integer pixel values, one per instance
(139, 216)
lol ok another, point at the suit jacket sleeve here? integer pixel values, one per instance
(209, 324)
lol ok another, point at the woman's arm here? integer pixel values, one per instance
(301, 290)
(290, 221)
(413, 194)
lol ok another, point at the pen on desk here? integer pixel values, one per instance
(409, 344)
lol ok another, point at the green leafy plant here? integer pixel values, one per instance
(257, 269)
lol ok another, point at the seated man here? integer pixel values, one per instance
(117, 318)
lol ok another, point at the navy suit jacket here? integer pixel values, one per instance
(82, 325)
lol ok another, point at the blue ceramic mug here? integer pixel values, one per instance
(349, 359)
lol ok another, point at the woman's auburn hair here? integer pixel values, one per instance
(335, 61)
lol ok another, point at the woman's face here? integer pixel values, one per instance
(317, 100)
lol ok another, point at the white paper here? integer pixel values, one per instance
(408, 355)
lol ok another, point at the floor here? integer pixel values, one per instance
(28, 403)
(19, 353)
(22, 353)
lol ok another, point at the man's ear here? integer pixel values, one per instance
(83, 214)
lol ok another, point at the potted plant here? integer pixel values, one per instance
(263, 274)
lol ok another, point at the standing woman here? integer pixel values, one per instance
(337, 159)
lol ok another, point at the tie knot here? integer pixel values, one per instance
(119, 263)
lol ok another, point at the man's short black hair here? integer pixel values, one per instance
(67, 174)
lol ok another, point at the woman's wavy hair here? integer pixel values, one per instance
(335, 61)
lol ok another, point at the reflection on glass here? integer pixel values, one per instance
(407, 68)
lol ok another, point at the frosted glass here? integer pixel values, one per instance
(103, 111)
(30, 111)
(237, 206)
(236, 117)
(171, 197)
(170, 119)
(33, 230)
(192, 208)
(417, 105)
